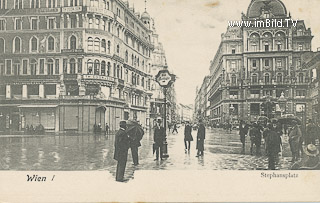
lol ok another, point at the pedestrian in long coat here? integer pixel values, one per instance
(134, 146)
(187, 136)
(121, 146)
(255, 137)
(273, 145)
(159, 138)
(294, 140)
(201, 136)
(243, 131)
(312, 133)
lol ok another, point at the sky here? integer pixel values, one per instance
(190, 31)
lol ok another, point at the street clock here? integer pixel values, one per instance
(164, 78)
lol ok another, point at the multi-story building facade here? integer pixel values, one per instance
(70, 64)
(159, 62)
(201, 108)
(258, 63)
(185, 112)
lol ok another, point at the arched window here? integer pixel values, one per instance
(138, 61)
(103, 45)
(2, 45)
(254, 78)
(138, 79)
(97, 44)
(17, 45)
(34, 44)
(267, 78)
(118, 71)
(126, 57)
(73, 42)
(118, 49)
(132, 59)
(33, 67)
(279, 77)
(50, 67)
(233, 79)
(109, 46)
(72, 66)
(142, 82)
(51, 43)
(300, 77)
(89, 67)
(108, 69)
(90, 44)
(96, 67)
(103, 68)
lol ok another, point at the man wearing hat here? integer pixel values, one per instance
(311, 162)
(294, 140)
(121, 146)
(158, 138)
(272, 143)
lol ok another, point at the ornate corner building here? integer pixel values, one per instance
(70, 64)
(260, 63)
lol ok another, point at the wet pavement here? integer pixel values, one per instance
(82, 152)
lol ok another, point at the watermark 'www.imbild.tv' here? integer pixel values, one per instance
(280, 23)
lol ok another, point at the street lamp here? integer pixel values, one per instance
(165, 80)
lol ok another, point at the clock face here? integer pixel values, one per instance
(163, 78)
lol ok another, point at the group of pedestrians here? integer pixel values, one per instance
(201, 135)
(272, 135)
(38, 130)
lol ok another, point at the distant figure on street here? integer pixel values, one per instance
(243, 131)
(159, 138)
(121, 145)
(255, 137)
(312, 133)
(107, 128)
(175, 129)
(294, 140)
(187, 136)
(99, 128)
(273, 145)
(201, 136)
(311, 162)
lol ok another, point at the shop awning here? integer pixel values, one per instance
(37, 106)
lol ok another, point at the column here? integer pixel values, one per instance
(62, 22)
(24, 91)
(8, 92)
(68, 20)
(261, 65)
(41, 91)
(273, 64)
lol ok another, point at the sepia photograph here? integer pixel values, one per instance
(99, 97)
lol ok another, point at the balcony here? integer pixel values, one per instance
(72, 51)
(119, 20)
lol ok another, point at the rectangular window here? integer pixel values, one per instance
(9, 63)
(18, 24)
(35, 3)
(25, 66)
(266, 47)
(34, 24)
(266, 62)
(41, 70)
(18, 4)
(2, 24)
(73, 22)
(300, 47)
(57, 66)
(51, 23)
(233, 50)
(65, 65)
(254, 63)
(79, 65)
(279, 63)
(1, 67)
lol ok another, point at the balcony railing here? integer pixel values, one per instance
(11, 78)
(101, 11)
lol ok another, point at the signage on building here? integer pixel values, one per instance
(72, 50)
(72, 9)
(100, 11)
(164, 78)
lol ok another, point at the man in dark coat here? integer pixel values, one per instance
(158, 138)
(134, 145)
(273, 145)
(295, 136)
(243, 131)
(255, 137)
(121, 145)
(312, 133)
(187, 136)
(201, 136)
